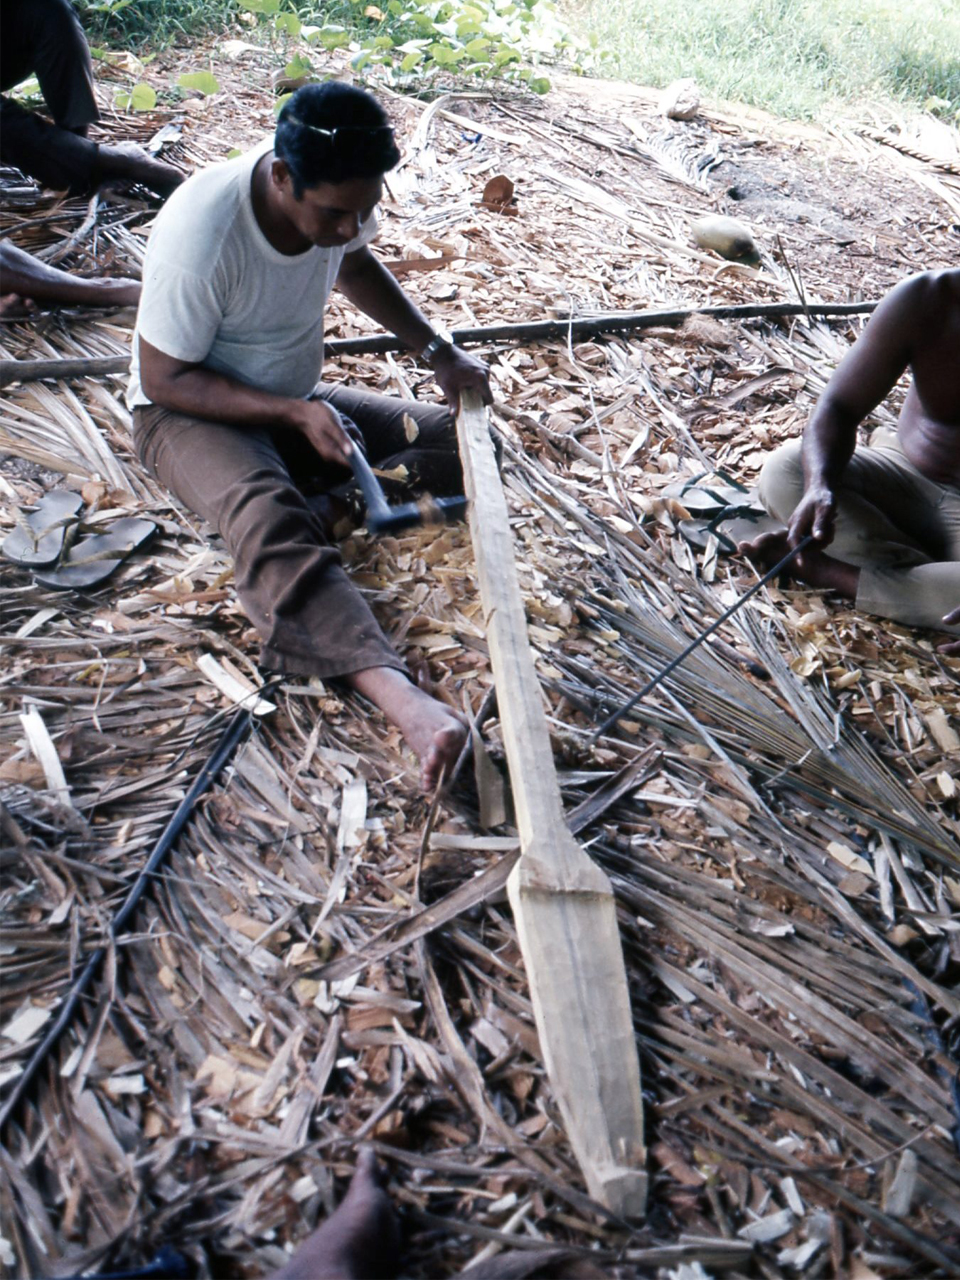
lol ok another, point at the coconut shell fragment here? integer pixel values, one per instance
(730, 238)
(681, 100)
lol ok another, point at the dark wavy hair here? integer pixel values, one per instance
(333, 132)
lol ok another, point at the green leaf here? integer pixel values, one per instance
(233, 153)
(360, 60)
(29, 88)
(476, 47)
(334, 37)
(288, 23)
(267, 7)
(540, 85)
(310, 34)
(143, 97)
(411, 60)
(297, 67)
(203, 81)
(281, 102)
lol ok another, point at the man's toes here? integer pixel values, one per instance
(368, 1173)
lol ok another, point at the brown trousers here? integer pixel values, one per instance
(899, 527)
(44, 38)
(251, 484)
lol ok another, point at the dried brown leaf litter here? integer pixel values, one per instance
(779, 819)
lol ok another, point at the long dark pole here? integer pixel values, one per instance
(662, 674)
(229, 740)
(531, 331)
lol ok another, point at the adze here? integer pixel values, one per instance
(382, 518)
(563, 904)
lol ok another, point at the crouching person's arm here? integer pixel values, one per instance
(864, 377)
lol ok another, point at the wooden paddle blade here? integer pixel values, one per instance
(562, 902)
(571, 951)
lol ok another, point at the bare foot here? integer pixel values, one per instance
(360, 1241)
(952, 647)
(127, 160)
(765, 550)
(812, 565)
(434, 732)
(13, 307)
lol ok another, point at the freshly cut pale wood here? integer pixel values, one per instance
(562, 902)
(41, 744)
(236, 687)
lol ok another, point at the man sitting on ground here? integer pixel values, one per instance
(44, 38)
(228, 411)
(889, 512)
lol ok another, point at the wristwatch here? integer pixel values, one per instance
(437, 343)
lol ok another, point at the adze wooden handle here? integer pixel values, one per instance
(562, 902)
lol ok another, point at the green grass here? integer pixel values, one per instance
(803, 59)
(147, 25)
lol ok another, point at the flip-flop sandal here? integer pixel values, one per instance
(704, 500)
(40, 537)
(731, 526)
(91, 560)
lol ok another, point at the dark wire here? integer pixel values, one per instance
(228, 743)
(611, 720)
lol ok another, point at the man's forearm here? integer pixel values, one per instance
(372, 288)
(202, 393)
(828, 444)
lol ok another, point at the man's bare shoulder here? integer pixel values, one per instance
(929, 296)
(919, 315)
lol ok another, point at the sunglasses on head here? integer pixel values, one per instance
(355, 130)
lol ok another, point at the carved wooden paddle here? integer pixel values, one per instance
(562, 902)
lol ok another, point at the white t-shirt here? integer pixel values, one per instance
(217, 293)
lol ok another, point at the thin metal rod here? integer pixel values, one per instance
(685, 653)
(229, 740)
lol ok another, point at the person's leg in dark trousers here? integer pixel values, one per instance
(44, 38)
(291, 583)
(56, 158)
(311, 619)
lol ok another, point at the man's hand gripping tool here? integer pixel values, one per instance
(382, 518)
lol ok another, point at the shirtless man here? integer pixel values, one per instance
(890, 512)
(228, 411)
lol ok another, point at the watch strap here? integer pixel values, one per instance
(436, 344)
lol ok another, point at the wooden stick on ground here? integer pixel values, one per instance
(562, 902)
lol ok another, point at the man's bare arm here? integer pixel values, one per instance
(202, 393)
(864, 377)
(371, 288)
